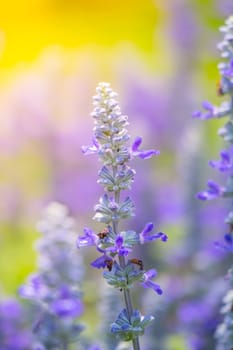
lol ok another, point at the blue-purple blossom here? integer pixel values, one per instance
(67, 304)
(211, 111)
(228, 243)
(14, 331)
(91, 149)
(227, 69)
(102, 262)
(89, 239)
(208, 107)
(224, 164)
(142, 154)
(213, 191)
(34, 288)
(119, 247)
(147, 236)
(147, 283)
(199, 318)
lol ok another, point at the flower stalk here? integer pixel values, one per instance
(111, 144)
(224, 332)
(54, 291)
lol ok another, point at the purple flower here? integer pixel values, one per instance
(146, 236)
(35, 288)
(13, 333)
(10, 310)
(90, 238)
(213, 111)
(119, 247)
(228, 245)
(67, 304)
(102, 262)
(142, 154)
(208, 106)
(147, 283)
(209, 114)
(224, 164)
(91, 149)
(228, 70)
(213, 191)
(197, 114)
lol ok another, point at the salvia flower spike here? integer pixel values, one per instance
(111, 142)
(55, 289)
(224, 333)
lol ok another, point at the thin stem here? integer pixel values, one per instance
(65, 345)
(129, 305)
(136, 344)
(231, 116)
(126, 292)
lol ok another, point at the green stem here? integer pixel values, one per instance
(128, 304)
(231, 116)
(65, 346)
(126, 292)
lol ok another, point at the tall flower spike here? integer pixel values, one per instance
(54, 290)
(111, 144)
(224, 333)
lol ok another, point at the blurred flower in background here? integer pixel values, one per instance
(13, 331)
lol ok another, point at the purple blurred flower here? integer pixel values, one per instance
(228, 69)
(212, 111)
(94, 347)
(13, 333)
(213, 191)
(224, 7)
(224, 164)
(184, 29)
(91, 149)
(147, 283)
(90, 238)
(209, 114)
(200, 329)
(34, 288)
(228, 243)
(67, 304)
(142, 154)
(146, 236)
